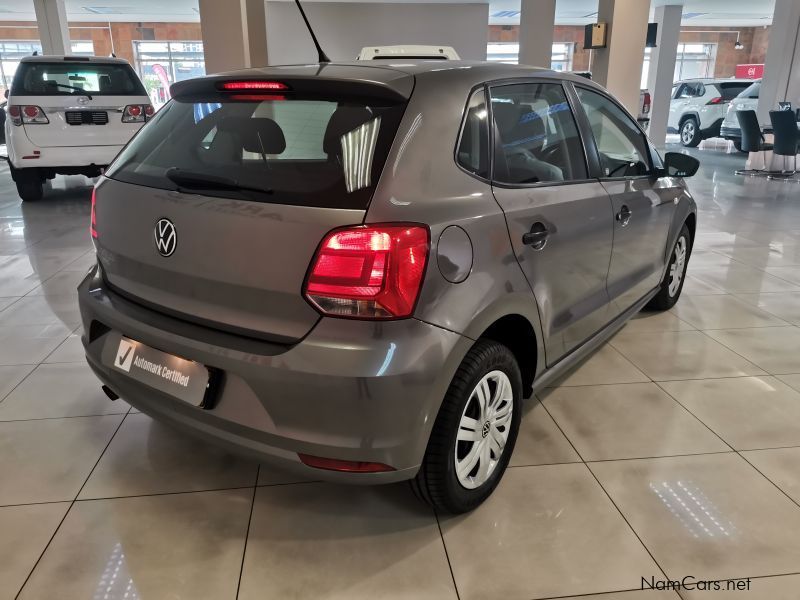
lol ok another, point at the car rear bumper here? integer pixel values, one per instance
(350, 390)
(24, 154)
(730, 133)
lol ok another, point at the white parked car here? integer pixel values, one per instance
(409, 52)
(698, 107)
(746, 100)
(70, 115)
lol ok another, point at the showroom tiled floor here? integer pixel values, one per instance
(673, 451)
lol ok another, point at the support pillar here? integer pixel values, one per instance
(781, 81)
(662, 69)
(618, 66)
(536, 22)
(51, 18)
(234, 34)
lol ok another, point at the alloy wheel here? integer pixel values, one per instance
(688, 132)
(483, 429)
(678, 267)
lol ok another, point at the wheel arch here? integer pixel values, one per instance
(687, 115)
(517, 333)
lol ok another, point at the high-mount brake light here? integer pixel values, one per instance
(369, 272)
(253, 85)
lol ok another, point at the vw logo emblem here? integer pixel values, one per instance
(166, 237)
(83, 100)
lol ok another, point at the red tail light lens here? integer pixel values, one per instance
(29, 114)
(238, 86)
(647, 103)
(93, 226)
(137, 113)
(369, 272)
(348, 466)
(717, 100)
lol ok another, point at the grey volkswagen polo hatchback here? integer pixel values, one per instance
(359, 271)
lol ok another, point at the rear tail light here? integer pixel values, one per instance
(348, 466)
(28, 114)
(137, 113)
(717, 100)
(647, 103)
(93, 226)
(369, 272)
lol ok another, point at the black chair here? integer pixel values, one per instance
(752, 140)
(786, 140)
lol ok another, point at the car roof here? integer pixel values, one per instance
(398, 74)
(49, 58)
(714, 80)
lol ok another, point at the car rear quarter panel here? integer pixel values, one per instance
(422, 183)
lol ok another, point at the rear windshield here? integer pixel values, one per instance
(305, 151)
(751, 91)
(731, 90)
(68, 78)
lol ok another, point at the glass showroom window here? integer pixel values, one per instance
(160, 64)
(11, 51)
(561, 59)
(693, 60)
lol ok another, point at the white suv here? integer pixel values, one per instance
(698, 107)
(747, 100)
(70, 115)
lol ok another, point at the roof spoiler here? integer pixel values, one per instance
(295, 84)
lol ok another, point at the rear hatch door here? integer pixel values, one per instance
(214, 212)
(82, 100)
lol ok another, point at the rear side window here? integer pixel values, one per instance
(691, 90)
(751, 91)
(729, 91)
(473, 146)
(68, 78)
(304, 151)
(536, 139)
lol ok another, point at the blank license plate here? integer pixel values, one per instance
(184, 379)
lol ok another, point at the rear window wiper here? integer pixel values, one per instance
(201, 181)
(76, 88)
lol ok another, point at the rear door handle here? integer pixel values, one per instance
(624, 215)
(536, 238)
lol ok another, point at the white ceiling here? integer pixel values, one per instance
(707, 13)
(739, 13)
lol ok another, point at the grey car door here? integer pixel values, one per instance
(560, 222)
(642, 203)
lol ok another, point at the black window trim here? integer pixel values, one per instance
(464, 115)
(652, 171)
(542, 184)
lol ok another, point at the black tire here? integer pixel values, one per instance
(437, 482)
(668, 294)
(690, 133)
(30, 190)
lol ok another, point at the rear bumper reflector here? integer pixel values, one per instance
(348, 466)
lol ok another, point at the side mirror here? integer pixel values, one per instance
(677, 164)
(6, 94)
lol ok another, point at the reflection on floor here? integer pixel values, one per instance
(674, 451)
